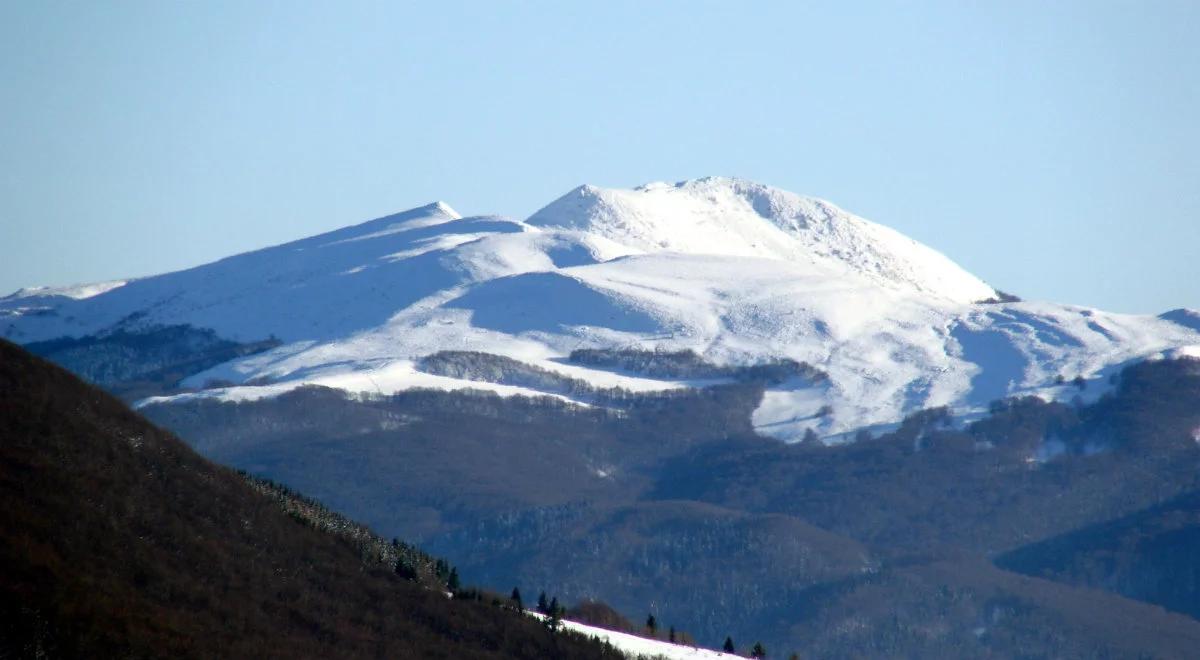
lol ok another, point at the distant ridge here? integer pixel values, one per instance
(737, 272)
(730, 216)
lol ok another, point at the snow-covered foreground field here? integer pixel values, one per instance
(737, 272)
(635, 646)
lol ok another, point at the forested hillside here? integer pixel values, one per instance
(119, 541)
(672, 504)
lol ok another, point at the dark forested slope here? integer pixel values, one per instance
(1151, 555)
(877, 548)
(119, 541)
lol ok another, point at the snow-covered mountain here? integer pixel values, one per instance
(743, 219)
(736, 271)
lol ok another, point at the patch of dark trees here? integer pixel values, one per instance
(689, 365)
(684, 365)
(134, 364)
(1001, 297)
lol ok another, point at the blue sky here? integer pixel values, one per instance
(1051, 148)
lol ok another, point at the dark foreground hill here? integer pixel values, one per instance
(116, 540)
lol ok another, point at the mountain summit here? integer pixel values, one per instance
(738, 273)
(734, 217)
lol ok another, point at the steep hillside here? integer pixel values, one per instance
(119, 541)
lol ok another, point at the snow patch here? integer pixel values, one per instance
(635, 646)
(426, 216)
(1192, 352)
(1050, 449)
(74, 292)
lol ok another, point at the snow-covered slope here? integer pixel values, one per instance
(320, 288)
(741, 218)
(77, 292)
(736, 271)
(640, 647)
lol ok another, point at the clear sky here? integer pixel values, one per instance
(1053, 148)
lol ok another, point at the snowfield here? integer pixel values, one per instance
(736, 271)
(636, 647)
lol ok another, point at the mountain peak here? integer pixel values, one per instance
(737, 217)
(736, 271)
(434, 211)
(655, 207)
(74, 292)
(443, 208)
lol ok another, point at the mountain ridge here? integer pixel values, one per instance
(717, 215)
(737, 272)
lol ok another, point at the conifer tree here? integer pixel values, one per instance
(554, 618)
(542, 606)
(671, 635)
(759, 651)
(516, 599)
(405, 571)
(452, 580)
(728, 648)
(651, 625)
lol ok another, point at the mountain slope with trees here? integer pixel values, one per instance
(119, 541)
(1152, 555)
(875, 548)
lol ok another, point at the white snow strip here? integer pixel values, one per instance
(74, 292)
(636, 646)
(387, 379)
